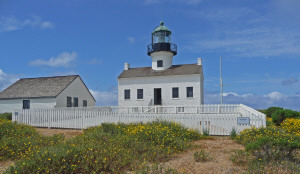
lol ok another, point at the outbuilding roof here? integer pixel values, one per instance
(173, 70)
(37, 87)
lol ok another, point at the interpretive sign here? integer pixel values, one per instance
(243, 120)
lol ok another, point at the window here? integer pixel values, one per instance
(189, 92)
(84, 103)
(75, 100)
(139, 93)
(127, 93)
(175, 92)
(26, 104)
(159, 63)
(180, 109)
(69, 101)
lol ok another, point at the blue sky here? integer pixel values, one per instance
(259, 42)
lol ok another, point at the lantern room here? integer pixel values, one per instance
(161, 40)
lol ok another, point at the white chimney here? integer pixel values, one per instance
(199, 61)
(126, 66)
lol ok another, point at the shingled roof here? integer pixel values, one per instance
(37, 87)
(174, 70)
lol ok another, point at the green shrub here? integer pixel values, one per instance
(206, 132)
(233, 133)
(6, 116)
(266, 149)
(280, 115)
(19, 141)
(201, 156)
(270, 144)
(240, 158)
(271, 110)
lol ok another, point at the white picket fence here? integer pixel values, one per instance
(218, 119)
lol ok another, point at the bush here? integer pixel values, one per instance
(110, 148)
(271, 110)
(20, 141)
(280, 115)
(291, 126)
(206, 132)
(233, 133)
(6, 116)
(201, 156)
(270, 144)
(240, 158)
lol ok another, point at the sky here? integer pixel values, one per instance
(259, 42)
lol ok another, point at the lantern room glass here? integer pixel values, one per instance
(161, 37)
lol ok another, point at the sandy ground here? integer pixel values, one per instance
(218, 148)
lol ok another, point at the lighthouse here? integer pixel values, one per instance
(162, 83)
(161, 49)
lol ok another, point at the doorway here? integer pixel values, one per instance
(157, 96)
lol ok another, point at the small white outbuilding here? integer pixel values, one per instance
(46, 92)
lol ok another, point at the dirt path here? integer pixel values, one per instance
(218, 148)
(69, 133)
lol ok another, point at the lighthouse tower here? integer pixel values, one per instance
(161, 49)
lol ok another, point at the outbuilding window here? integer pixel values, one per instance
(175, 92)
(140, 94)
(189, 92)
(160, 63)
(75, 102)
(69, 101)
(84, 103)
(26, 104)
(127, 94)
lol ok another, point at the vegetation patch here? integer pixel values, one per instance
(110, 148)
(6, 116)
(19, 141)
(201, 156)
(274, 148)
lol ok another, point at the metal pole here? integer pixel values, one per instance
(221, 80)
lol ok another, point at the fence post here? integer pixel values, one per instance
(48, 118)
(82, 119)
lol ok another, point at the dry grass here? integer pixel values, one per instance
(68, 133)
(218, 148)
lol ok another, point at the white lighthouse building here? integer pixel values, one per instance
(163, 83)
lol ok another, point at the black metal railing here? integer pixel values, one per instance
(162, 47)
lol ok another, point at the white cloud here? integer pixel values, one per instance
(65, 59)
(274, 98)
(47, 24)
(131, 40)
(95, 61)
(6, 79)
(253, 42)
(11, 23)
(105, 98)
(244, 32)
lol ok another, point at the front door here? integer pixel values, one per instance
(157, 96)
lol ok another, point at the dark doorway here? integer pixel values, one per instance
(157, 96)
